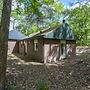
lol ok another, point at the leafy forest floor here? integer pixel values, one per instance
(71, 74)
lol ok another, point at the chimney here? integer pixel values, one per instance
(63, 21)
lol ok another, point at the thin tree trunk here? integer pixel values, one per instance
(4, 29)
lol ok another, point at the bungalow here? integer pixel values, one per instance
(13, 42)
(49, 45)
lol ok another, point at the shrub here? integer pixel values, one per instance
(42, 85)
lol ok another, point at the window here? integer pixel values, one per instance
(35, 45)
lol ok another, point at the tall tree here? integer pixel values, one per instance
(79, 18)
(1, 5)
(35, 15)
(4, 28)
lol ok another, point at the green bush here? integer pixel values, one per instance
(12, 87)
(42, 85)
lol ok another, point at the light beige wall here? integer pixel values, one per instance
(11, 46)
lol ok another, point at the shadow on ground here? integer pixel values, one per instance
(73, 74)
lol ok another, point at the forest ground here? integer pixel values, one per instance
(71, 74)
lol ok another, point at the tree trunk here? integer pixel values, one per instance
(4, 29)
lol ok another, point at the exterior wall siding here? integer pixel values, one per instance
(35, 55)
(71, 50)
(13, 47)
(23, 47)
(51, 50)
(16, 48)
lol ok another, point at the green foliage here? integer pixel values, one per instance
(1, 5)
(42, 85)
(34, 15)
(79, 18)
(15, 87)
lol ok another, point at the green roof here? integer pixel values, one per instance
(62, 32)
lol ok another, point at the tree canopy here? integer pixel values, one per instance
(35, 15)
(1, 5)
(79, 19)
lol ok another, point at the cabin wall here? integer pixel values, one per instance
(16, 48)
(13, 47)
(71, 49)
(36, 56)
(51, 50)
(23, 47)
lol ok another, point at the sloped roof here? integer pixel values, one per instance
(40, 33)
(62, 32)
(16, 35)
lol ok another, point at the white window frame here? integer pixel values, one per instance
(35, 45)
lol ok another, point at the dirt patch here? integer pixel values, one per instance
(66, 75)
